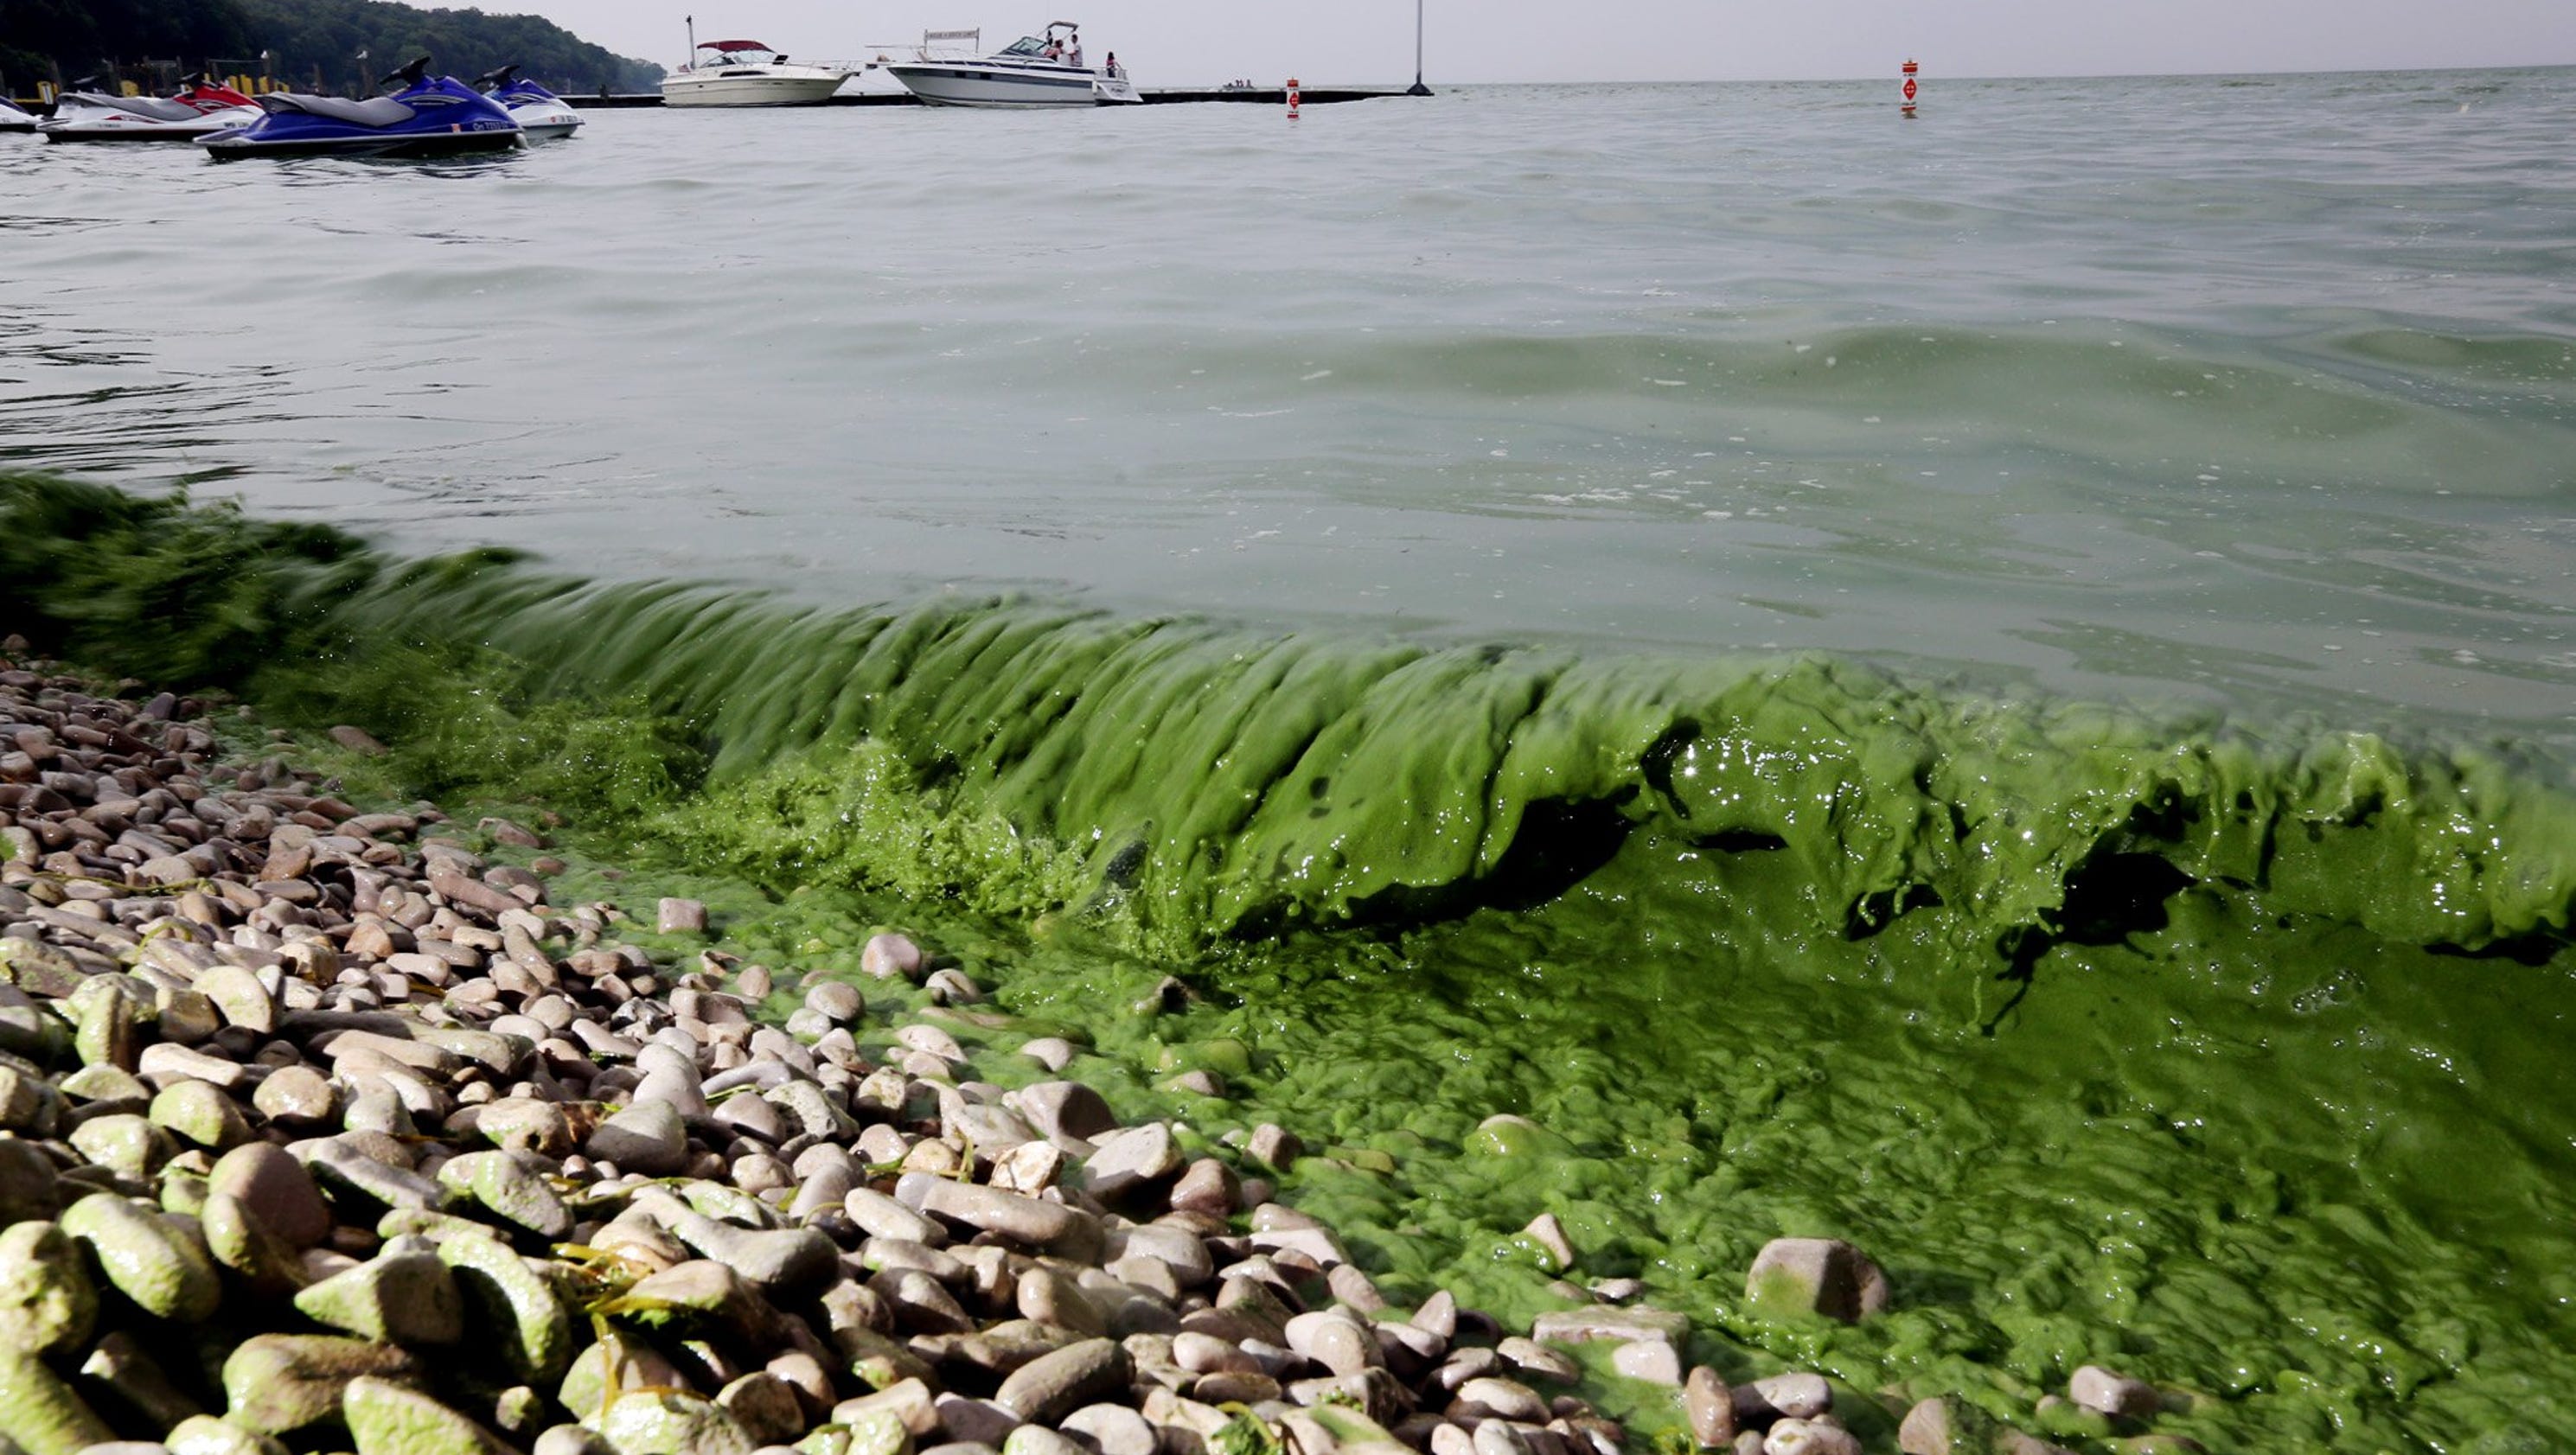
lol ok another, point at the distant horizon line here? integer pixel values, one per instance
(1891, 73)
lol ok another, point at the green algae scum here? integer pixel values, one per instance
(2231, 1059)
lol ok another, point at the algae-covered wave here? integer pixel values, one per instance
(1725, 931)
(1204, 781)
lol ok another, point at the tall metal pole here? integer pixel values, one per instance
(1417, 88)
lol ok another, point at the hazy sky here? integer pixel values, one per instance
(1192, 42)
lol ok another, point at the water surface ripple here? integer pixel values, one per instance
(2231, 389)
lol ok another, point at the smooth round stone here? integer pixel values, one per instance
(1801, 1437)
(886, 957)
(1651, 1360)
(1113, 1429)
(1710, 1408)
(1066, 1108)
(297, 1096)
(1796, 1396)
(276, 1190)
(1051, 1386)
(836, 1001)
(2097, 1388)
(1208, 1354)
(1502, 1399)
(1208, 1186)
(1053, 1052)
(647, 1137)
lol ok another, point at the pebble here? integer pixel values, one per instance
(2097, 1388)
(1820, 1276)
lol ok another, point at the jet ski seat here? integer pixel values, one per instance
(374, 111)
(154, 107)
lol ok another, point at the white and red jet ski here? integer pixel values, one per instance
(199, 109)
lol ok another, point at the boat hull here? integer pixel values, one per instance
(940, 83)
(229, 147)
(749, 90)
(546, 123)
(103, 130)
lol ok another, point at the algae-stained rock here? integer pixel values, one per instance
(639, 1366)
(160, 1263)
(241, 1241)
(29, 1185)
(525, 1124)
(125, 1380)
(239, 998)
(647, 1137)
(1823, 1276)
(877, 1432)
(276, 1189)
(511, 1308)
(386, 1418)
(400, 1298)
(703, 1293)
(1048, 1388)
(765, 1406)
(777, 1259)
(28, 1102)
(510, 1190)
(47, 1303)
(201, 1115)
(1946, 1425)
(124, 1142)
(208, 1435)
(42, 1414)
(279, 1383)
(111, 1018)
(670, 1423)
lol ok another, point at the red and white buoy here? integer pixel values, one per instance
(1910, 91)
(1292, 98)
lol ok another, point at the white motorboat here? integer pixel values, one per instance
(1034, 70)
(13, 119)
(748, 73)
(200, 110)
(541, 114)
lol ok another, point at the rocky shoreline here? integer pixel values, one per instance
(318, 1131)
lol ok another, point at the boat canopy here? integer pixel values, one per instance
(731, 46)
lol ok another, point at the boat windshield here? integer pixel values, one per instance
(1027, 45)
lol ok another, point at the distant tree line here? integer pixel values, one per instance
(310, 44)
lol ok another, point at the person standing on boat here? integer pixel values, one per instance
(1053, 51)
(1075, 55)
(1111, 67)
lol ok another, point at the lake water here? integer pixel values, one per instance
(1997, 684)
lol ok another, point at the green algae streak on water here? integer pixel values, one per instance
(2120, 1040)
(1577, 602)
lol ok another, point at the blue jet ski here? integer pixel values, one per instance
(429, 117)
(541, 114)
